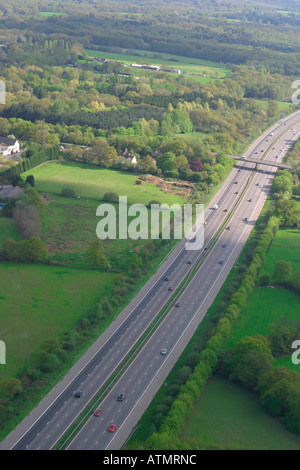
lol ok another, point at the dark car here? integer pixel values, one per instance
(78, 394)
(121, 397)
(189, 262)
(170, 288)
(236, 192)
(166, 278)
(221, 261)
(178, 304)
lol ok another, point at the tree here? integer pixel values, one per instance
(10, 246)
(95, 255)
(196, 165)
(296, 281)
(276, 388)
(105, 154)
(10, 387)
(254, 358)
(181, 162)
(282, 336)
(30, 180)
(32, 250)
(283, 183)
(32, 197)
(28, 220)
(166, 162)
(287, 211)
(147, 165)
(282, 271)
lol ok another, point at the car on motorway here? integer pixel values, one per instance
(112, 428)
(166, 278)
(225, 210)
(224, 245)
(178, 304)
(170, 288)
(121, 397)
(78, 394)
(245, 219)
(163, 352)
(98, 412)
(236, 192)
(235, 182)
(228, 228)
(250, 200)
(221, 261)
(189, 262)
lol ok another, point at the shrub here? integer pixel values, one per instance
(110, 197)
(68, 192)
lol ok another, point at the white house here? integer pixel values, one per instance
(129, 157)
(9, 146)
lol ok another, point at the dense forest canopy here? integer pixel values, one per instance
(230, 31)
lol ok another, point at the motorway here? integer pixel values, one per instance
(44, 426)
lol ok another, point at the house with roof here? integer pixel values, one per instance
(9, 146)
(128, 157)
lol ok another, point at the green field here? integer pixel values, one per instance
(69, 226)
(39, 302)
(283, 106)
(268, 305)
(286, 246)
(93, 183)
(163, 60)
(231, 416)
(51, 13)
(42, 301)
(264, 307)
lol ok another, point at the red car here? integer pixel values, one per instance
(98, 413)
(112, 428)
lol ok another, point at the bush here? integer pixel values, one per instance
(110, 197)
(68, 192)
(264, 280)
